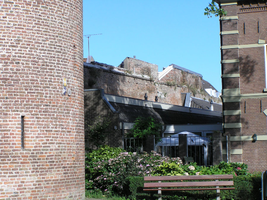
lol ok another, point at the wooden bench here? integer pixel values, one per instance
(183, 183)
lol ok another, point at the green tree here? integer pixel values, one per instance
(214, 9)
(145, 126)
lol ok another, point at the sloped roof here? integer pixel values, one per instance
(186, 70)
(207, 85)
(203, 104)
(129, 109)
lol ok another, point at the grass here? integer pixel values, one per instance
(99, 195)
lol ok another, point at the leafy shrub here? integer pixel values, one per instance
(91, 162)
(225, 168)
(239, 168)
(104, 153)
(168, 169)
(110, 175)
(191, 169)
(110, 170)
(246, 187)
(136, 184)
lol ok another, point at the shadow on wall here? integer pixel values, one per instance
(102, 120)
(95, 78)
(230, 68)
(246, 65)
(237, 132)
(247, 68)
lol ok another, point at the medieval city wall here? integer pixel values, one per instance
(123, 81)
(130, 86)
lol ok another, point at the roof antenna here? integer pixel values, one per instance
(88, 36)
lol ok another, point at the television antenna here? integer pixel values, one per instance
(88, 36)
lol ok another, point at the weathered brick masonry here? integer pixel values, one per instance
(243, 48)
(40, 45)
(135, 78)
(130, 86)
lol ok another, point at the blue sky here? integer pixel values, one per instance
(161, 32)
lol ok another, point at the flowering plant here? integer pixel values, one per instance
(191, 168)
(107, 169)
(110, 176)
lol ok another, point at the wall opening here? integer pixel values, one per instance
(22, 132)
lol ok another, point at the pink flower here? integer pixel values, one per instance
(238, 168)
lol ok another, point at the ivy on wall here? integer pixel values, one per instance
(97, 133)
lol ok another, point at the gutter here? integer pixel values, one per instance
(103, 98)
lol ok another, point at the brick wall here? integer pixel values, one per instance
(41, 43)
(139, 67)
(130, 86)
(252, 70)
(253, 119)
(248, 25)
(254, 155)
(180, 78)
(96, 111)
(124, 84)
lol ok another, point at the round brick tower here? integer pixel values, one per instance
(41, 100)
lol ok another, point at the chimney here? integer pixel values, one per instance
(88, 59)
(145, 97)
(211, 105)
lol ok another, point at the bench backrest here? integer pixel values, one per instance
(195, 177)
(201, 182)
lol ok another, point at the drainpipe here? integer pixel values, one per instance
(227, 159)
(265, 60)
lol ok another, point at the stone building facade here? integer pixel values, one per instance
(41, 100)
(243, 58)
(135, 78)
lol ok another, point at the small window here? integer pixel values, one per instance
(22, 132)
(244, 28)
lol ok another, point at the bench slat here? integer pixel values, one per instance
(190, 184)
(223, 188)
(202, 177)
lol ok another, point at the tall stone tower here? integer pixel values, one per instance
(41, 100)
(244, 80)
